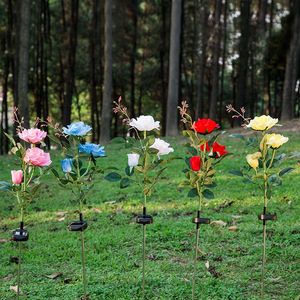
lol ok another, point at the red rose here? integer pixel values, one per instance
(218, 150)
(195, 163)
(205, 146)
(205, 126)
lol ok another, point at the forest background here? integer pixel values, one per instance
(71, 59)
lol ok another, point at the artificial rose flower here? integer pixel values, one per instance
(77, 129)
(17, 177)
(205, 146)
(162, 147)
(195, 163)
(92, 149)
(144, 123)
(205, 126)
(66, 165)
(252, 159)
(133, 160)
(262, 123)
(275, 140)
(218, 150)
(37, 157)
(32, 135)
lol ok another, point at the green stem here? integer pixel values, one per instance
(199, 190)
(195, 263)
(19, 272)
(144, 258)
(83, 266)
(265, 172)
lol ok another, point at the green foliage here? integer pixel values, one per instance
(113, 177)
(114, 239)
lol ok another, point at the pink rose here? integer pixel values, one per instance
(17, 176)
(37, 157)
(32, 135)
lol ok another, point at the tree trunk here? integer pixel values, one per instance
(107, 90)
(291, 68)
(134, 11)
(223, 60)
(162, 55)
(215, 61)
(203, 58)
(71, 61)
(23, 60)
(242, 71)
(174, 61)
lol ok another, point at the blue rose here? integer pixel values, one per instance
(66, 165)
(77, 129)
(92, 149)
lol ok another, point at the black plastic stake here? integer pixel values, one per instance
(144, 220)
(264, 217)
(198, 220)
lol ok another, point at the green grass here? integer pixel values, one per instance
(113, 239)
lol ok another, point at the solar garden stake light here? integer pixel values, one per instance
(262, 165)
(79, 167)
(204, 153)
(25, 182)
(145, 166)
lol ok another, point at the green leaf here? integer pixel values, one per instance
(193, 193)
(275, 180)
(285, 171)
(192, 150)
(236, 173)
(75, 163)
(208, 194)
(55, 173)
(124, 183)
(113, 177)
(128, 172)
(211, 185)
(5, 186)
(82, 171)
(64, 181)
(11, 139)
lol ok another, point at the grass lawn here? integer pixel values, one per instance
(113, 239)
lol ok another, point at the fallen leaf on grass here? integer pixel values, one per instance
(14, 288)
(233, 228)
(61, 214)
(218, 223)
(54, 275)
(152, 257)
(61, 219)
(8, 277)
(212, 270)
(224, 205)
(97, 210)
(67, 280)
(2, 241)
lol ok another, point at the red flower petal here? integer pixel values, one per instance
(195, 163)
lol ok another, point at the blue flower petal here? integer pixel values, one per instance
(77, 129)
(66, 165)
(92, 149)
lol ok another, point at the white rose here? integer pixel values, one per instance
(162, 147)
(133, 160)
(144, 123)
(262, 123)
